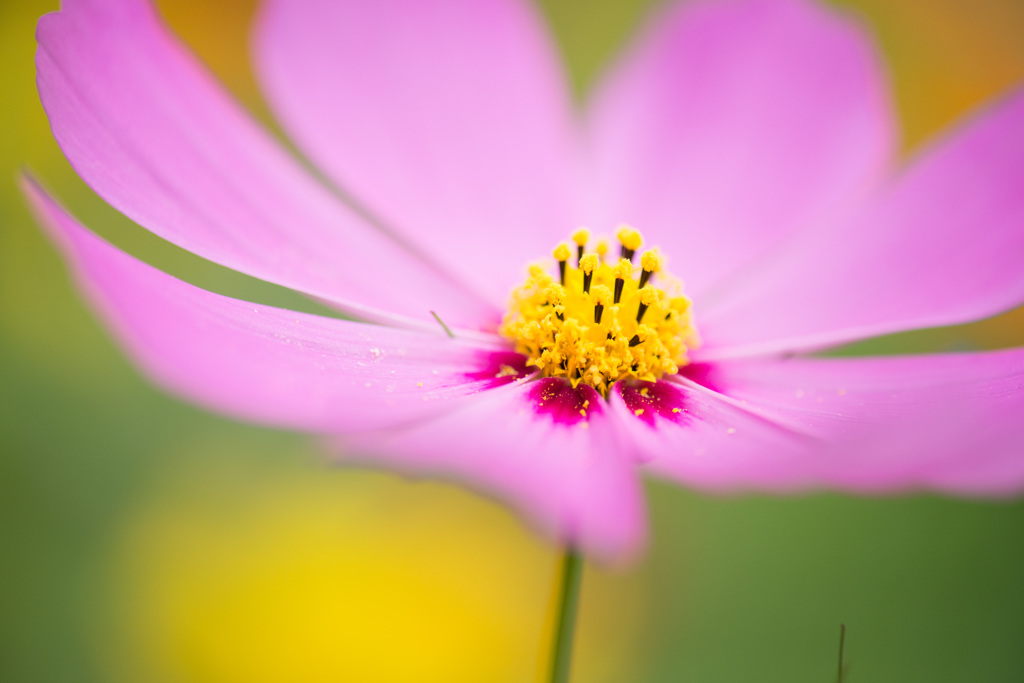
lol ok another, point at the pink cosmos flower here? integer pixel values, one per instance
(752, 140)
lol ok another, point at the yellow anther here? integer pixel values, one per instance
(629, 237)
(680, 304)
(623, 269)
(530, 331)
(540, 275)
(601, 248)
(651, 261)
(555, 294)
(587, 324)
(593, 376)
(600, 295)
(581, 237)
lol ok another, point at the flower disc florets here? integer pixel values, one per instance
(603, 320)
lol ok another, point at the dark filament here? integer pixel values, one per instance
(640, 312)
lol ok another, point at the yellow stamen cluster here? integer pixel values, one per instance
(599, 320)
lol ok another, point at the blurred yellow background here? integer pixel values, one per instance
(143, 540)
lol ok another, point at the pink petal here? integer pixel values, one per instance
(266, 364)
(944, 245)
(447, 118)
(155, 136)
(731, 126)
(559, 469)
(947, 422)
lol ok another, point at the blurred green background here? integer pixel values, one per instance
(142, 540)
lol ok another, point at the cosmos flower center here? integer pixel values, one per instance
(599, 320)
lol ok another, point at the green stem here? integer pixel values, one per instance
(570, 575)
(842, 643)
